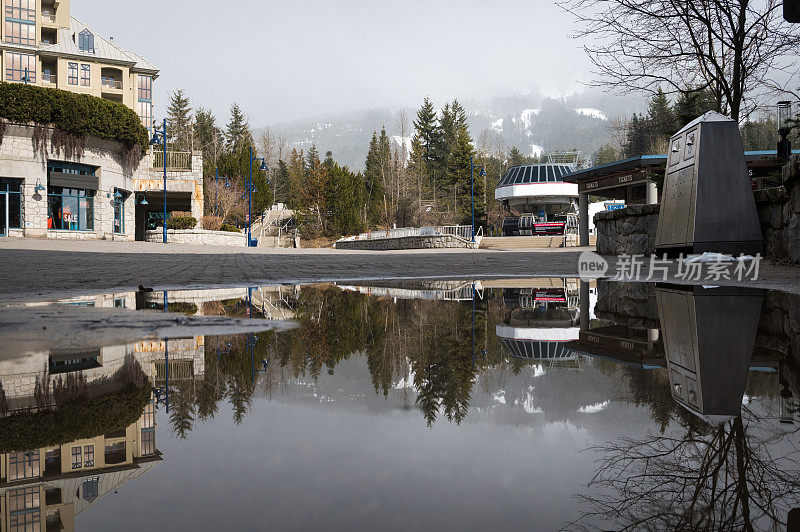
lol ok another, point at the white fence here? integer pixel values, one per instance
(461, 231)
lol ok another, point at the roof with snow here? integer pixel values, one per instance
(104, 49)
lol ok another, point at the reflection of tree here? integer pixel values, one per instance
(182, 408)
(722, 478)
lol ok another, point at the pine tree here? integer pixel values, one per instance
(690, 105)
(638, 138)
(515, 157)
(662, 123)
(312, 158)
(462, 176)
(179, 121)
(237, 132)
(373, 184)
(295, 176)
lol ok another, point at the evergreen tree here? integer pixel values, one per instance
(638, 138)
(312, 158)
(179, 121)
(605, 155)
(373, 183)
(295, 176)
(690, 105)
(237, 132)
(662, 122)
(759, 135)
(280, 178)
(462, 176)
(515, 157)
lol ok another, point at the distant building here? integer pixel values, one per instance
(99, 193)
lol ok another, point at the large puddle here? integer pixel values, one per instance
(512, 404)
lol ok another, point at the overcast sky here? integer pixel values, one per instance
(283, 60)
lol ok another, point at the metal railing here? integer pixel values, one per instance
(112, 83)
(48, 17)
(460, 231)
(176, 160)
(47, 77)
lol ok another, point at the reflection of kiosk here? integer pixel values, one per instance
(709, 335)
(540, 320)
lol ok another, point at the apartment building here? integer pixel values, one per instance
(43, 45)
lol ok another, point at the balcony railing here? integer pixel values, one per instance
(176, 160)
(48, 18)
(47, 77)
(112, 83)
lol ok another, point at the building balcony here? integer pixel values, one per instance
(48, 18)
(111, 83)
(48, 78)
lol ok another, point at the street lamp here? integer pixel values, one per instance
(472, 167)
(26, 78)
(784, 126)
(250, 190)
(160, 137)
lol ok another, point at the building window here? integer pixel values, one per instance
(23, 464)
(70, 209)
(119, 212)
(145, 100)
(24, 509)
(10, 189)
(72, 76)
(148, 442)
(86, 75)
(20, 65)
(20, 24)
(90, 488)
(88, 456)
(77, 458)
(86, 41)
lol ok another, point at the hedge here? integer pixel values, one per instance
(74, 421)
(76, 114)
(182, 222)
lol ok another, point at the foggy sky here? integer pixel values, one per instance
(285, 60)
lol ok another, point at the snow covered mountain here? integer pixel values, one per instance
(531, 123)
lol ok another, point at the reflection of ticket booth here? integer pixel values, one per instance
(709, 335)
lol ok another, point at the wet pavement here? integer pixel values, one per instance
(518, 404)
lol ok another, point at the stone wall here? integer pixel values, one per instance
(199, 237)
(631, 230)
(779, 214)
(408, 242)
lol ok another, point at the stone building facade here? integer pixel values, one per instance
(98, 194)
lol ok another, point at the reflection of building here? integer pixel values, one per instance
(45, 488)
(540, 319)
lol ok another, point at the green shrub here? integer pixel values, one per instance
(229, 228)
(72, 422)
(75, 114)
(182, 222)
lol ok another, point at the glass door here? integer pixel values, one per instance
(3, 214)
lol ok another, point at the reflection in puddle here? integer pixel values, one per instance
(685, 395)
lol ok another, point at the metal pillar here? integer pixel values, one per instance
(652, 193)
(583, 219)
(584, 306)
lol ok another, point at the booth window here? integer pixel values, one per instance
(70, 209)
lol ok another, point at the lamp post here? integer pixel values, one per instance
(160, 137)
(26, 78)
(250, 190)
(784, 126)
(472, 167)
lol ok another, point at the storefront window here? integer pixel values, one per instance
(70, 209)
(10, 204)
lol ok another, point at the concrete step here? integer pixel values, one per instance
(522, 242)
